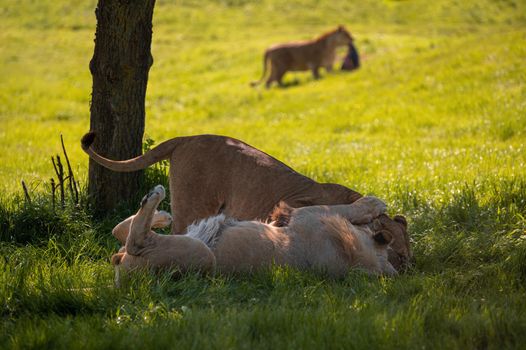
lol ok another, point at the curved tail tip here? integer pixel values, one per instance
(87, 140)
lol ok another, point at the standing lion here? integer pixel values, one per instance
(303, 55)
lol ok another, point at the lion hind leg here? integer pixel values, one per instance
(279, 77)
(276, 74)
(121, 231)
(316, 72)
(142, 222)
(270, 80)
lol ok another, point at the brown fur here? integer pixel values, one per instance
(301, 56)
(281, 214)
(221, 174)
(318, 238)
(216, 173)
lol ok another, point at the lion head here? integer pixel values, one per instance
(400, 254)
(340, 36)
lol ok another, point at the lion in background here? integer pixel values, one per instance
(326, 239)
(303, 55)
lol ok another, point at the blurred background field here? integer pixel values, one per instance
(440, 96)
(434, 122)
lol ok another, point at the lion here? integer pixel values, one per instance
(212, 174)
(330, 240)
(303, 55)
(399, 251)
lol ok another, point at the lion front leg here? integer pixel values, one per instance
(363, 211)
(277, 71)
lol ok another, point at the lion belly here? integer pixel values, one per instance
(296, 57)
(250, 246)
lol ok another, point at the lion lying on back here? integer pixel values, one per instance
(327, 239)
(304, 55)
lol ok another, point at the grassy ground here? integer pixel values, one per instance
(434, 122)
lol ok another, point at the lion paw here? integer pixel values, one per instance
(161, 219)
(373, 206)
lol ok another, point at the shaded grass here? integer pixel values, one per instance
(467, 289)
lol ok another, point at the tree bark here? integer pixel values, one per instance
(120, 66)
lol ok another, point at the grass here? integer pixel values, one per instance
(434, 122)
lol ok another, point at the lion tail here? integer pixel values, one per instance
(210, 229)
(265, 64)
(161, 152)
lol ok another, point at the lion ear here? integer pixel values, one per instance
(377, 225)
(281, 214)
(401, 220)
(383, 238)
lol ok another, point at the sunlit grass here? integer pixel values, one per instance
(433, 122)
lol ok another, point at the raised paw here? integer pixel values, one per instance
(154, 197)
(161, 219)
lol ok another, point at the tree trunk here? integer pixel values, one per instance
(120, 66)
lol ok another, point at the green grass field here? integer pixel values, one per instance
(434, 123)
